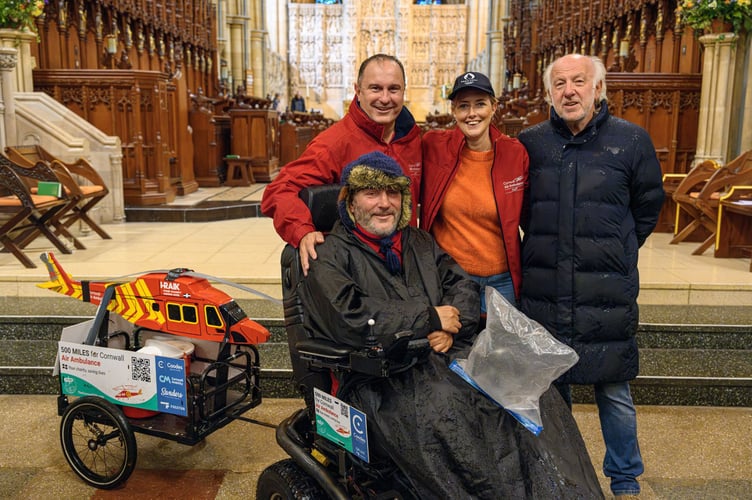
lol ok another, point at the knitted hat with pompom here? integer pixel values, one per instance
(373, 170)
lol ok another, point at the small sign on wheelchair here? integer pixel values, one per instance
(342, 424)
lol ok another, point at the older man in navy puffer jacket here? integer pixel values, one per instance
(594, 197)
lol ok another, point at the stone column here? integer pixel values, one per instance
(237, 50)
(496, 62)
(718, 97)
(745, 136)
(257, 63)
(8, 61)
(21, 41)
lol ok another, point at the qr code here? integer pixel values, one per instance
(141, 369)
(344, 410)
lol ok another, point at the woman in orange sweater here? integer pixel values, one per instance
(473, 185)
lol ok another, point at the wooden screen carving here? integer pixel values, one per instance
(667, 106)
(133, 105)
(653, 63)
(165, 49)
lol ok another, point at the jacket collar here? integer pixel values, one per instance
(590, 131)
(403, 125)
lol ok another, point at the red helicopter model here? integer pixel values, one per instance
(178, 302)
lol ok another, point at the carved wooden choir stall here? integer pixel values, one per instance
(210, 124)
(296, 130)
(653, 65)
(129, 68)
(254, 141)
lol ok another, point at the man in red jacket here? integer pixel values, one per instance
(376, 121)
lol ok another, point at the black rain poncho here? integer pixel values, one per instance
(448, 439)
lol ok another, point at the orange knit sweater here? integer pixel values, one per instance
(467, 225)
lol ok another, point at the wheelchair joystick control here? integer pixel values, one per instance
(371, 341)
(371, 360)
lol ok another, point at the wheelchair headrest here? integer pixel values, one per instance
(322, 203)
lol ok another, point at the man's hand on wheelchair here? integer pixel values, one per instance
(307, 249)
(440, 341)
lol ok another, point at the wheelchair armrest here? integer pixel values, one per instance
(379, 362)
(403, 345)
(324, 349)
(418, 346)
(319, 353)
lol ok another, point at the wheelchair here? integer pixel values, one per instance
(318, 467)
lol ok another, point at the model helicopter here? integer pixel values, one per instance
(178, 302)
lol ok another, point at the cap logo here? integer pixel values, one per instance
(468, 78)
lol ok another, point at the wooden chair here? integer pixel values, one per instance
(667, 217)
(734, 231)
(706, 201)
(688, 217)
(43, 172)
(22, 213)
(82, 182)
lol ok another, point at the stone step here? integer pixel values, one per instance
(679, 364)
(694, 336)
(651, 335)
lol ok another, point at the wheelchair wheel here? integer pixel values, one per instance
(98, 442)
(285, 480)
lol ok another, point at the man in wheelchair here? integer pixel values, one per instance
(378, 283)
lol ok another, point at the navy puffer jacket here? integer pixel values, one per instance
(594, 199)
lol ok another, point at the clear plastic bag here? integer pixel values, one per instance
(514, 360)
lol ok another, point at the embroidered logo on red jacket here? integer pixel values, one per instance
(514, 185)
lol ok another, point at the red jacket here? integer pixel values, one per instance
(325, 157)
(441, 158)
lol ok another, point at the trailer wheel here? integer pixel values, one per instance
(98, 442)
(285, 480)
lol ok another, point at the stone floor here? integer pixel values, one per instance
(689, 453)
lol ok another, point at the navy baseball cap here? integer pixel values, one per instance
(472, 80)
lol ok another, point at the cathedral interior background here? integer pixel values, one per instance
(169, 95)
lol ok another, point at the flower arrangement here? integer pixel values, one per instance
(20, 14)
(700, 14)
